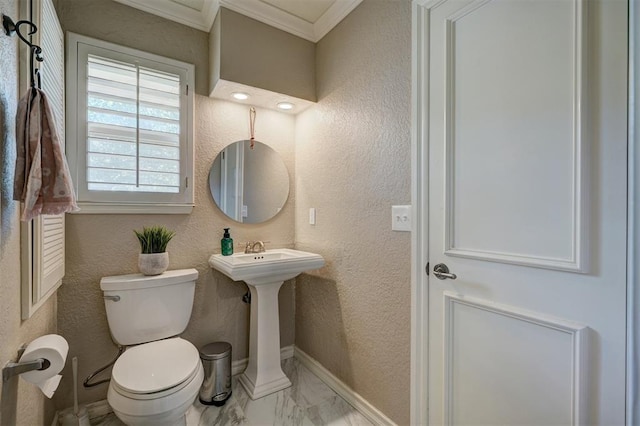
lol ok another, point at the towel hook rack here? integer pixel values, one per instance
(36, 51)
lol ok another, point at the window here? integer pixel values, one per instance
(130, 129)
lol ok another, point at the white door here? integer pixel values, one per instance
(526, 140)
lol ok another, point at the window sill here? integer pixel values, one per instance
(114, 208)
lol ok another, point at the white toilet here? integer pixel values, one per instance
(157, 380)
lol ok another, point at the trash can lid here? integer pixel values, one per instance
(215, 350)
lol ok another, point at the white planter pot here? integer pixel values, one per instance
(153, 263)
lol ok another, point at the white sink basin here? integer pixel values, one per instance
(267, 267)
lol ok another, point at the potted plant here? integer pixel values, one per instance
(153, 259)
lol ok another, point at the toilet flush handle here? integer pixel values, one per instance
(114, 298)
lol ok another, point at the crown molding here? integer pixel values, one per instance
(201, 20)
(272, 16)
(333, 16)
(280, 19)
(258, 10)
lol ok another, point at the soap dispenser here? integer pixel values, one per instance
(227, 243)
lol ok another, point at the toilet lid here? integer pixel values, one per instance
(156, 366)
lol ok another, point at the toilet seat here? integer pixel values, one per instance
(156, 369)
(155, 411)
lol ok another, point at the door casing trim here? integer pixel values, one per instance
(633, 220)
(419, 207)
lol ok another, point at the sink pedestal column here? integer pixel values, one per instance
(264, 374)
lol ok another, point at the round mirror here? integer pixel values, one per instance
(249, 185)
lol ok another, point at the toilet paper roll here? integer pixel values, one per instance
(53, 348)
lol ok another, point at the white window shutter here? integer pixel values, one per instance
(48, 257)
(46, 234)
(133, 127)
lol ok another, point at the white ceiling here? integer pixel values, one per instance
(309, 19)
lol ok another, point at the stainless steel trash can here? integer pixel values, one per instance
(216, 360)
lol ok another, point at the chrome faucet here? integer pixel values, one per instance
(250, 247)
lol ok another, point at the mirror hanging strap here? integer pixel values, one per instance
(252, 125)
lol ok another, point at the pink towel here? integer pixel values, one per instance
(42, 179)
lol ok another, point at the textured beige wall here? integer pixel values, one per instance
(20, 403)
(126, 26)
(103, 245)
(258, 55)
(352, 165)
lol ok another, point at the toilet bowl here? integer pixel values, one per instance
(158, 377)
(155, 383)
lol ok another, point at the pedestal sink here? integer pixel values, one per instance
(264, 273)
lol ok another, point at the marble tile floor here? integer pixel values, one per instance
(308, 402)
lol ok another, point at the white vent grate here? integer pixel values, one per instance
(49, 231)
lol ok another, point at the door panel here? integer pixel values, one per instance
(503, 365)
(527, 163)
(512, 102)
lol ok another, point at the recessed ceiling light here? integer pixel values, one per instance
(241, 96)
(285, 105)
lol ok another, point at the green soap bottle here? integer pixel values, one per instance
(226, 243)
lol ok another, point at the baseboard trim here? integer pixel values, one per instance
(240, 365)
(98, 409)
(356, 400)
(287, 352)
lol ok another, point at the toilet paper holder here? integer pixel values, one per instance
(16, 368)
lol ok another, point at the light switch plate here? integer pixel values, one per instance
(312, 216)
(401, 218)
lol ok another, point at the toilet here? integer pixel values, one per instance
(158, 377)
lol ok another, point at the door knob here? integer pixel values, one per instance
(441, 271)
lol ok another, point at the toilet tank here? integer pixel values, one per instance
(143, 308)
